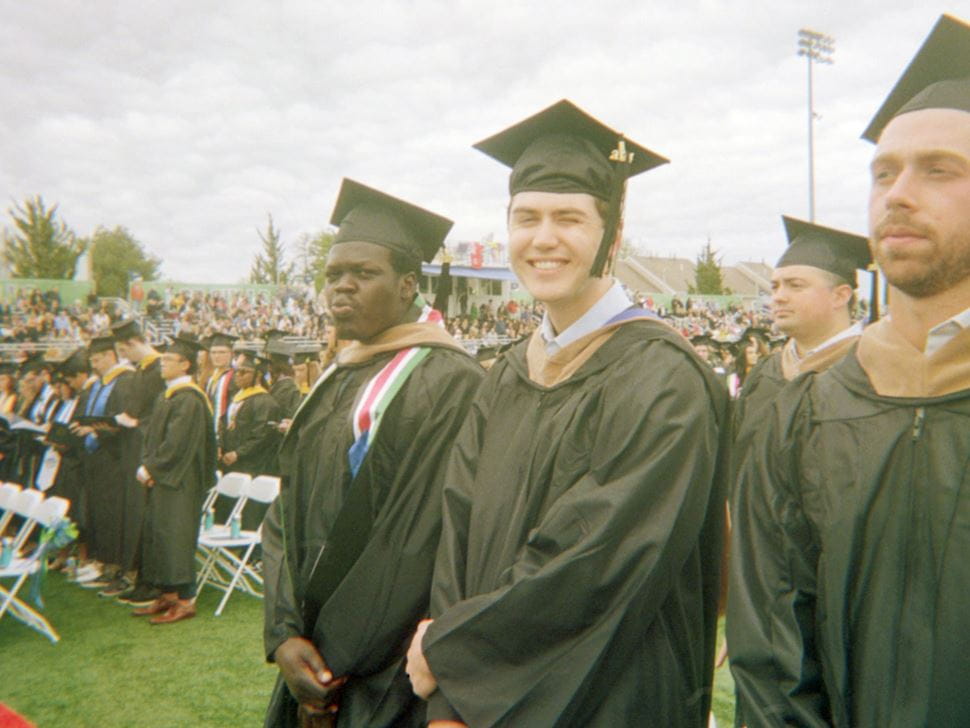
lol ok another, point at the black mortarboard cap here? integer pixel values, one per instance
(250, 359)
(217, 338)
(273, 334)
(702, 339)
(279, 351)
(185, 345)
(33, 363)
(75, 363)
(103, 341)
(363, 214)
(938, 77)
(563, 149)
(304, 351)
(125, 329)
(835, 251)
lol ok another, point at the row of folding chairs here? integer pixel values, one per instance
(225, 558)
(22, 511)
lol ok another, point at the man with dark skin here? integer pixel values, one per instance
(349, 544)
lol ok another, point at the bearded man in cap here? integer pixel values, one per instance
(851, 549)
(349, 545)
(577, 579)
(178, 466)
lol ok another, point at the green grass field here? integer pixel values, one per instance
(111, 669)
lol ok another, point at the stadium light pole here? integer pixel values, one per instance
(817, 48)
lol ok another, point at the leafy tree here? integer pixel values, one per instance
(269, 266)
(115, 257)
(318, 249)
(707, 273)
(40, 246)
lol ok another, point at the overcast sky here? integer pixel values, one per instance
(188, 122)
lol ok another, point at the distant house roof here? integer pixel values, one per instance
(674, 276)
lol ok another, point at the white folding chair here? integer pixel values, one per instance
(47, 513)
(233, 487)
(227, 570)
(24, 504)
(8, 491)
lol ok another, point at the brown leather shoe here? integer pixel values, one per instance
(159, 606)
(182, 609)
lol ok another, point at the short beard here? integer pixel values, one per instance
(948, 266)
(940, 275)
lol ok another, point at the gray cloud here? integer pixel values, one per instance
(189, 122)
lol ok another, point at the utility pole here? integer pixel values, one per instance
(817, 48)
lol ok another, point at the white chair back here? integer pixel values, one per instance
(26, 502)
(8, 491)
(233, 484)
(51, 510)
(264, 488)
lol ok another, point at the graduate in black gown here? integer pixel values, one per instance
(146, 385)
(109, 460)
(178, 468)
(851, 547)
(349, 545)
(249, 440)
(283, 388)
(577, 579)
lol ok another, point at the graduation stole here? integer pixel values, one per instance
(98, 401)
(169, 391)
(148, 360)
(241, 396)
(380, 391)
(220, 392)
(39, 406)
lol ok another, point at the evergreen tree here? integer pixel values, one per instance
(318, 249)
(40, 246)
(115, 256)
(707, 273)
(269, 266)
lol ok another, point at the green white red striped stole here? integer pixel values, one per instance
(380, 391)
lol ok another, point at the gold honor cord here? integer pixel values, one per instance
(622, 161)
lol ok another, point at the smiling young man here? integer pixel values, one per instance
(349, 545)
(851, 549)
(577, 578)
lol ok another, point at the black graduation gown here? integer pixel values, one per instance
(752, 407)
(364, 628)
(851, 559)
(287, 395)
(251, 438)
(108, 472)
(180, 454)
(577, 578)
(146, 386)
(68, 483)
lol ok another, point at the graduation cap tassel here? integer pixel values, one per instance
(622, 161)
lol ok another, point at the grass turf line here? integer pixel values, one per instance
(111, 669)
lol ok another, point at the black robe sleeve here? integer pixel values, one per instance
(253, 440)
(772, 595)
